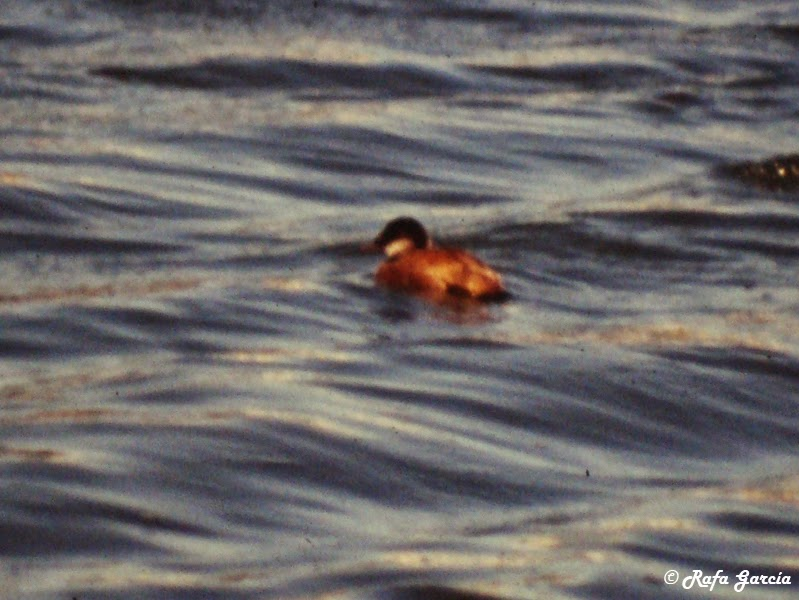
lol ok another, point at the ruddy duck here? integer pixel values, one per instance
(414, 265)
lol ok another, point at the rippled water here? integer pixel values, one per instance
(203, 394)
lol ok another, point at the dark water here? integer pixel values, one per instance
(203, 395)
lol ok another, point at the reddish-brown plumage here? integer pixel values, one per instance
(415, 266)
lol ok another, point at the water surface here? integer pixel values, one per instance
(203, 394)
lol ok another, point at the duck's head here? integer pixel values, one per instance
(401, 235)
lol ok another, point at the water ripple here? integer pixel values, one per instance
(337, 80)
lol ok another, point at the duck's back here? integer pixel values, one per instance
(441, 272)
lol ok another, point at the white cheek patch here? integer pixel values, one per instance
(397, 247)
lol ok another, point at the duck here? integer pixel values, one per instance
(415, 265)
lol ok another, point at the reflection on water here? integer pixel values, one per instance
(204, 395)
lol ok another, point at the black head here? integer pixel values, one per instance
(403, 228)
